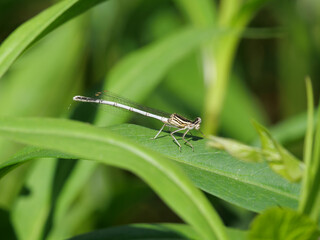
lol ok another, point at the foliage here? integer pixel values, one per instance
(196, 58)
(278, 158)
(288, 224)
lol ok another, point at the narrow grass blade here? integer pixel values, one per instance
(30, 211)
(316, 172)
(39, 26)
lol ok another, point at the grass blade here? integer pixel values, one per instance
(39, 26)
(30, 211)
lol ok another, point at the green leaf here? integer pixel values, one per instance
(26, 154)
(41, 78)
(30, 211)
(90, 142)
(151, 231)
(253, 186)
(142, 231)
(39, 26)
(49, 91)
(279, 224)
(278, 158)
(78, 200)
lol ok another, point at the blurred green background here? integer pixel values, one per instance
(261, 55)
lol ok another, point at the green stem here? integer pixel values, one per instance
(303, 208)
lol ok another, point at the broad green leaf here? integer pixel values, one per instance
(279, 224)
(94, 143)
(278, 158)
(253, 186)
(30, 211)
(39, 26)
(151, 231)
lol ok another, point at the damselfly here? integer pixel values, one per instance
(170, 120)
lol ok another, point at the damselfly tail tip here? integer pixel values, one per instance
(77, 98)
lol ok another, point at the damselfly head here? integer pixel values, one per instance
(196, 123)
